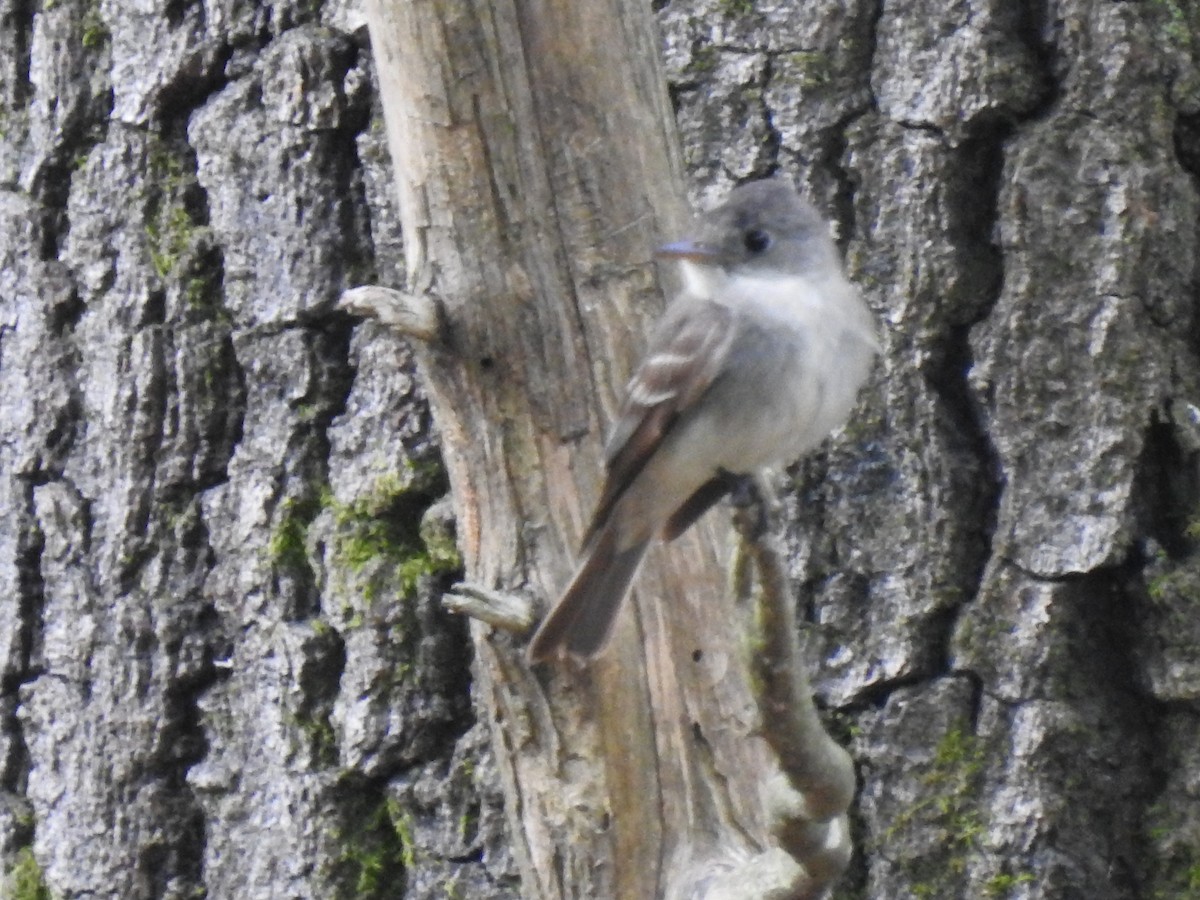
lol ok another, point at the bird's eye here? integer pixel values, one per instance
(756, 240)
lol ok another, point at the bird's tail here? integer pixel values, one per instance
(582, 618)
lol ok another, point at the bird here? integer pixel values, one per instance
(760, 356)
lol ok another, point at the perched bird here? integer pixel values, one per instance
(760, 356)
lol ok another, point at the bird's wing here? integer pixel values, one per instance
(686, 354)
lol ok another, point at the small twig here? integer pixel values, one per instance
(413, 315)
(508, 612)
(808, 804)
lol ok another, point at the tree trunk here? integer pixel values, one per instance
(226, 668)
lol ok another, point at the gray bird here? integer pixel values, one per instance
(760, 356)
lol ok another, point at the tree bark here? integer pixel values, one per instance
(225, 664)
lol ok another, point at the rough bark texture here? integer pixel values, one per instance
(224, 665)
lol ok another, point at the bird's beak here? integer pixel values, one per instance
(693, 251)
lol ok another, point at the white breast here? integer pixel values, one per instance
(804, 395)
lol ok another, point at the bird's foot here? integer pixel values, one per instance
(756, 505)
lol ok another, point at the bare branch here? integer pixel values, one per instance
(808, 802)
(413, 315)
(508, 612)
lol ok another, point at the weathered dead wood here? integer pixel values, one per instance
(537, 166)
(808, 801)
